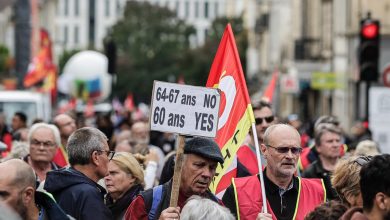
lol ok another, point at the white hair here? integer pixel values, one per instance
(203, 208)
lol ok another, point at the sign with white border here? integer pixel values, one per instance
(184, 109)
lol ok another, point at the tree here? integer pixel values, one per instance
(151, 42)
(197, 62)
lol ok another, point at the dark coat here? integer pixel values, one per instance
(120, 206)
(77, 195)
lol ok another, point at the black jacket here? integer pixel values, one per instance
(77, 195)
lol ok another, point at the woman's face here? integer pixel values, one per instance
(355, 200)
(118, 181)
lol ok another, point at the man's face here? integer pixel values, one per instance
(329, 145)
(67, 125)
(281, 164)
(17, 123)
(140, 133)
(196, 174)
(42, 145)
(265, 114)
(103, 161)
(118, 181)
(10, 194)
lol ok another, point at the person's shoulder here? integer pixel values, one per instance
(310, 171)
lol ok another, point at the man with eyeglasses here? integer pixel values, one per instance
(246, 154)
(75, 188)
(43, 140)
(288, 196)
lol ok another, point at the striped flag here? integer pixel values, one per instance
(236, 114)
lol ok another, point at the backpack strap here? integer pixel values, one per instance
(157, 194)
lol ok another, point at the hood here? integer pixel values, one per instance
(57, 180)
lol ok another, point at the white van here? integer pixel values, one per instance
(33, 104)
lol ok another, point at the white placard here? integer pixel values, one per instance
(184, 109)
(379, 116)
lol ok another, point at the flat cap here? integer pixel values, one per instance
(204, 147)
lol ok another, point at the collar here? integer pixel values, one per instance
(274, 189)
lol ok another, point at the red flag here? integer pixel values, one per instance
(129, 102)
(236, 115)
(42, 64)
(61, 157)
(269, 91)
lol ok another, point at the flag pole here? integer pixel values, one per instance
(260, 167)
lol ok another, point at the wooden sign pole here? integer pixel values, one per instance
(177, 172)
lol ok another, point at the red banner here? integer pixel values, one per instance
(236, 115)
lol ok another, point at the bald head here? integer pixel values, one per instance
(18, 172)
(279, 131)
(66, 125)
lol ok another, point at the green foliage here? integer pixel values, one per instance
(198, 61)
(151, 42)
(64, 57)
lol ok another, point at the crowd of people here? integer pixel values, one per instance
(66, 169)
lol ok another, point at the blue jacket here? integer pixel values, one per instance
(79, 196)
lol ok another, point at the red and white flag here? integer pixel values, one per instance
(236, 114)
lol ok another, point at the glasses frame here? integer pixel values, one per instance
(110, 154)
(282, 150)
(268, 119)
(42, 143)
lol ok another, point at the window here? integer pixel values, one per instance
(196, 9)
(76, 35)
(118, 7)
(76, 7)
(206, 9)
(65, 34)
(107, 8)
(66, 7)
(177, 7)
(187, 9)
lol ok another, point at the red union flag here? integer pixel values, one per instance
(236, 115)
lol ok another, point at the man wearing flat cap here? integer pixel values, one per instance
(201, 156)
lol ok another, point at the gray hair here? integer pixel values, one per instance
(271, 128)
(82, 143)
(323, 128)
(53, 128)
(202, 208)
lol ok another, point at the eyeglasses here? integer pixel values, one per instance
(362, 160)
(268, 119)
(285, 150)
(110, 154)
(46, 144)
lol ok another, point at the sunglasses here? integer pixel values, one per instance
(268, 119)
(285, 150)
(362, 160)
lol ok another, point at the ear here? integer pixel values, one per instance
(263, 149)
(381, 200)
(95, 158)
(28, 196)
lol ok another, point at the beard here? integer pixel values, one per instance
(21, 209)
